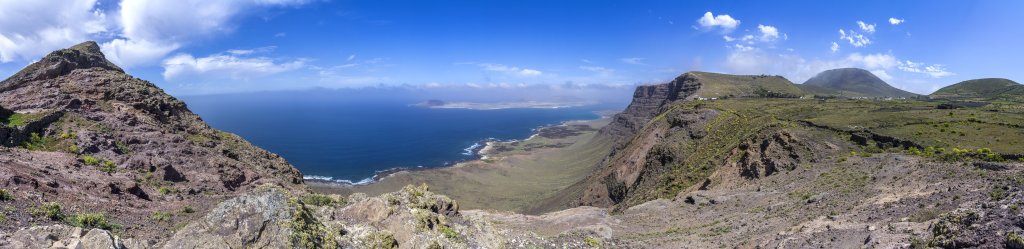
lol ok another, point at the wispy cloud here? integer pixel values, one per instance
(633, 61)
(867, 28)
(224, 65)
(524, 72)
(854, 38)
(895, 21)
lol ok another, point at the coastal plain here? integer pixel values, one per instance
(512, 176)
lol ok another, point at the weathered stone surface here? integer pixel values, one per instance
(253, 220)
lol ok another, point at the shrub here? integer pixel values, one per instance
(188, 210)
(90, 160)
(1014, 240)
(321, 200)
(5, 196)
(160, 216)
(997, 193)
(91, 220)
(108, 166)
(448, 232)
(164, 190)
(592, 242)
(50, 210)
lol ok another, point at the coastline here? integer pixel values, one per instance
(480, 150)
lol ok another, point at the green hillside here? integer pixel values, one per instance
(715, 85)
(980, 88)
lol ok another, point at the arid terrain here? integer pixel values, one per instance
(95, 158)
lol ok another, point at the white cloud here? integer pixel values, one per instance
(728, 38)
(743, 48)
(725, 22)
(633, 61)
(895, 21)
(137, 32)
(769, 33)
(854, 38)
(835, 47)
(524, 72)
(30, 29)
(351, 57)
(867, 28)
(266, 49)
(934, 70)
(882, 74)
(220, 65)
(163, 26)
(596, 69)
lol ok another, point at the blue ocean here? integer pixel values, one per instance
(351, 140)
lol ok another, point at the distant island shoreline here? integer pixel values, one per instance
(439, 104)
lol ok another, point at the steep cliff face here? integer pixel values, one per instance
(666, 142)
(649, 101)
(87, 137)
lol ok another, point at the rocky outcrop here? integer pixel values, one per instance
(255, 220)
(93, 139)
(649, 101)
(64, 236)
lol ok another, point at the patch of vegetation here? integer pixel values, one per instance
(164, 190)
(449, 233)
(321, 200)
(92, 220)
(21, 119)
(188, 210)
(997, 194)
(49, 210)
(90, 160)
(592, 242)
(1014, 240)
(802, 195)
(5, 196)
(123, 147)
(108, 166)
(307, 231)
(718, 231)
(160, 216)
(3, 217)
(381, 240)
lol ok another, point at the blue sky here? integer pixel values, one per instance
(201, 47)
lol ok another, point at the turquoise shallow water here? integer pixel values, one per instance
(352, 140)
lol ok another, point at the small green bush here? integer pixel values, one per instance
(5, 196)
(321, 200)
(91, 220)
(448, 232)
(997, 194)
(160, 216)
(90, 160)
(188, 210)
(108, 166)
(164, 190)
(50, 210)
